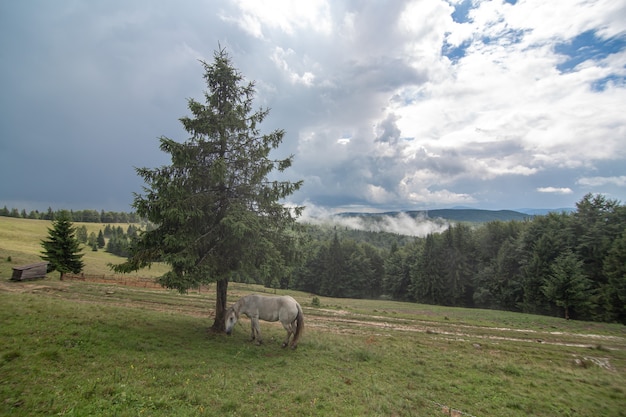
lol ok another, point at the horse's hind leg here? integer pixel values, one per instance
(286, 342)
(290, 331)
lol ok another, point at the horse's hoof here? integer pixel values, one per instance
(284, 345)
(294, 347)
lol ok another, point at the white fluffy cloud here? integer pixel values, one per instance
(556, 190)
(399, 124)
(599, 181)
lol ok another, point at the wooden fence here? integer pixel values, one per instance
(115, 280)
(130, 281)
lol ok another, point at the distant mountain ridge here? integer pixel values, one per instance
(543, 212)
(478, 215)
(454, 215)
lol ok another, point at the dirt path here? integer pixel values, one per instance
(464, 333)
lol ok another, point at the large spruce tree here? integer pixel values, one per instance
(215, 210)
(62, 249)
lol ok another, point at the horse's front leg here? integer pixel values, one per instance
(256, 330)
(252, 335)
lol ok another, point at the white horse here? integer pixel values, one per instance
(283, 308)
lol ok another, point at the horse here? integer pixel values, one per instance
(268, 308)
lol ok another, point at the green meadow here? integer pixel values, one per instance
(74, 348)
(20, 239)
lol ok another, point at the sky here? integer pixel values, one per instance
(386, 105)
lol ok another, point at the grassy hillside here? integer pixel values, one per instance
(75, 348)
(80, 348)
(20, 240)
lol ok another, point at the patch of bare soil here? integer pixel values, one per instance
(585, 361)
(30, 287)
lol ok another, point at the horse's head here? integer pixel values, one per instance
(230, 318)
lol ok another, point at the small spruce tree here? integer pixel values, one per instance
(100, 240)
(62, 249)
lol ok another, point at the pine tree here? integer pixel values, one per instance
(615, 270)
(100, 240)
(62, 249)
(394, 278)
(428, 280)
(215, 211)
(81, 234)
(567, 286)
(333, 284)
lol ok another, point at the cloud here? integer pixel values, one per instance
(555, 190)
(387, 105)
(285, 16)
(401, 223)
(619, 181)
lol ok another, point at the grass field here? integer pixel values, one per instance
(81, 348)
(20, 239)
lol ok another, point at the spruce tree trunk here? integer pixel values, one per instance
(220, 306)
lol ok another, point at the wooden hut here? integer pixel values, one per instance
(30, 271)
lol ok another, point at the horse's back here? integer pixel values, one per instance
(272, 308)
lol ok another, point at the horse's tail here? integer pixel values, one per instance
(299, 327)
